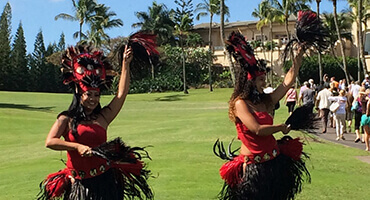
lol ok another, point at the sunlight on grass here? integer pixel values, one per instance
(181, 130)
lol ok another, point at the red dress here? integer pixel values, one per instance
(274, 170)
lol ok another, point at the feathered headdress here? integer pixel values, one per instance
(91, 70)
(243, 53)
(87, 67)
(309, 32)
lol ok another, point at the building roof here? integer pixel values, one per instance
(292, 18)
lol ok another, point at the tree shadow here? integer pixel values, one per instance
(25, 107)
(176, 97)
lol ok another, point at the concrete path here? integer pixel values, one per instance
(330, 135)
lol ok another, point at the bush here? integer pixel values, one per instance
(330, 66)
(161, 83)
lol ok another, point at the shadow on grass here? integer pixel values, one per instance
(176, 97)
(24, 107)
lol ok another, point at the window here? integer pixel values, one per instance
(367, 43)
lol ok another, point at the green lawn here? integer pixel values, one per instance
(181, 128)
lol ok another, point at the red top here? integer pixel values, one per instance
(263, 148)
(91, 135)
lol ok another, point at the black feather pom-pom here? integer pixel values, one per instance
(303, 119)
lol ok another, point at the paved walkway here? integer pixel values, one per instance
(330, 135)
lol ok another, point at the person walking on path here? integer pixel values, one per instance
(340, 113)
(291, 99)
(323, 104)
(307, 97)
(357, 106)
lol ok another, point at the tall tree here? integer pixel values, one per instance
(343, 24)
(84, 11)
(211, 8)
(184, 22)
(319, 53)
(100, 22)
(269, 15)
(19, 73)
(37, 64)
(5, 31)
(158, 21)
(341, 45)
(286, 8)
(62, 43)
(222, 35)
(359, 13)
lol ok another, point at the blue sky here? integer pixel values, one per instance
(37, 15)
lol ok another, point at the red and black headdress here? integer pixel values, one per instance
(243, 53)
(87, 67)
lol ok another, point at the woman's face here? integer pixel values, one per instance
(260, 83)
(90, 99)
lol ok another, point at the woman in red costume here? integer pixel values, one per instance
(84, 129)
(263, 169)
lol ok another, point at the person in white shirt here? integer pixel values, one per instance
(323, 104)
(340, 113)
(355, 89)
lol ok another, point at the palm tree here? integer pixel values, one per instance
(182, 30)
(211, 8)
(157, 21)
(269, 15)
(259, 13)
(84, 11)
(319, 53)
(358, 14)
(340, 39)
(287, 8)
(222, 33)
(101, 21)
(343, 24)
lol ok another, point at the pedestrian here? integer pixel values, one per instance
(291, 99)
(323, 104)
(307, 97)
(358, 106)
(340, 113)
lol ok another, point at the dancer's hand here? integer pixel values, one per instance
(127, 55)
(285, 129)
(84, 151)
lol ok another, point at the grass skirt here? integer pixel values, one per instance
(278, 179)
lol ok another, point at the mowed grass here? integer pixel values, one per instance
(182, 130)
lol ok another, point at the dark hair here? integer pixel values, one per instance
(244, 89)
(77, 114)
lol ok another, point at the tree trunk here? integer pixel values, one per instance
(81, 31)
(183, 66)
(222, 33)
(271, 55)
(340, 41)
(319, 52)
(210, 53)
(360, 36)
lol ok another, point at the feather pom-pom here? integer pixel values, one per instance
(291, 147)
(230, 171)
(302, 118)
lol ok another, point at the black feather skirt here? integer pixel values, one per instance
(280, 178)
(126, 177)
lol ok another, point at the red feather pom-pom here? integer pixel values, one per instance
(291, 147)
(230, 171)
(57, 183)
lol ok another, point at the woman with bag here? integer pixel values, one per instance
(357, 108)
(338, 108)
